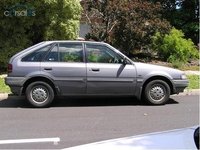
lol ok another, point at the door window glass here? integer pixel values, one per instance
(71, 52)
(53, 54)
(102, 54)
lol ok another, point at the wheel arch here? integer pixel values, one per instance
(158, 78)
(40, 78)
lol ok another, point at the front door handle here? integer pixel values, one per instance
(48, 69)
(95, 69)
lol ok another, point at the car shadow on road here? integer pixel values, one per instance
(14, 102)
(101, 101)
(21, 102)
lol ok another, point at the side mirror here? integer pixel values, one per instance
(196, 137)
(124, 61)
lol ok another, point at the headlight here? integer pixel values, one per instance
(183, 76)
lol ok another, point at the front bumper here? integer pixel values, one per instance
(180, 85)
(15, 84)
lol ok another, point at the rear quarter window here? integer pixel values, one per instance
(36, 55)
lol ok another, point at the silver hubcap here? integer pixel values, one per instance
(157, 93)
(39, 95)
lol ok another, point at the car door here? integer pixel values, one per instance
(106, 73)
(66, 66)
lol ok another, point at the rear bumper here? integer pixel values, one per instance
(14, 81)
(180, 85)
(15, 84)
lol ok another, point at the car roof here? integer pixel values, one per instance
(82, 41)
(74, 41)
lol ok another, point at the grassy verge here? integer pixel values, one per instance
(194, 81)
(3, 88)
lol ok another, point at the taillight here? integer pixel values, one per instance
(10, 68)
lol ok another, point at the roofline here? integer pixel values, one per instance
(74, 41)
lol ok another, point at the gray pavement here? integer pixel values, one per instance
(77, 121)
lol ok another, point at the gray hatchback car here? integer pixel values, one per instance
(81, 68)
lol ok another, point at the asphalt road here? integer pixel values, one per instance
(77, 121)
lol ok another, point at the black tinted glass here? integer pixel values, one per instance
(37, 55)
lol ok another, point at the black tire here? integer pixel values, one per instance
(157, 92)
(39, 94)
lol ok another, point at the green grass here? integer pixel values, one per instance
(193, 81)
(3, 88)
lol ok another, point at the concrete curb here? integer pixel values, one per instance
(190, 92)
(3, 75)
(189, 72)
(3, 96)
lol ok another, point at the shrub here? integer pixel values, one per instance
(173, 47)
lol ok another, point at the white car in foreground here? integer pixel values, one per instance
(187, 138)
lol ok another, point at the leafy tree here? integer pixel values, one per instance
(126, 24)
(184, 15)
(24, 23)
(173, 47)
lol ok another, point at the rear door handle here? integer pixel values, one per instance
(95, 69)
(47, 69)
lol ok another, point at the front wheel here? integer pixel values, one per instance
(39, 94)
(157, 92)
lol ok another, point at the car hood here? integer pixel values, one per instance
(174, 139)
(144, 69)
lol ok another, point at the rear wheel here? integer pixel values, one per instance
(157, 92)
(39, 94)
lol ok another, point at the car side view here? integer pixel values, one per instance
(53, 68)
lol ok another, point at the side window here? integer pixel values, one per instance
(71, 52)
(102, 54)
(52, 56)
(36, 55)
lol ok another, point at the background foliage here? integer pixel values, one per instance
(174, 48)
(53, 20)
(183, 15)
(125, 24)
(128, 25)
